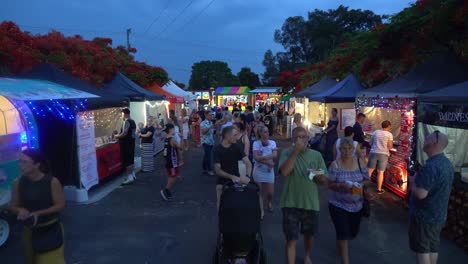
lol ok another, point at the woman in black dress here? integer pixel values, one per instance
(331, 135)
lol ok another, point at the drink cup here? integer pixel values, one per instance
(242, 169)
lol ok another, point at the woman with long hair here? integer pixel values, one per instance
(38, 200)
(347, 176)
(331, 135)
(196, 121)
(243, 139)
(265, 154)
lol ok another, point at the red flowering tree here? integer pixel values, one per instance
(390, 50)
(94, 61)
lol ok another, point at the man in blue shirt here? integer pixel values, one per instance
(429, 199)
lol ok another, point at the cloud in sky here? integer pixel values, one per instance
(235, 31)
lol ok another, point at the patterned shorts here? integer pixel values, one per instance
(296, 219)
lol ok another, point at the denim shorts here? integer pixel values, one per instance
(377, 160)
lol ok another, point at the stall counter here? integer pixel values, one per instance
(108, 160)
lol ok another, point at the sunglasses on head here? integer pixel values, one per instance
(437, 132)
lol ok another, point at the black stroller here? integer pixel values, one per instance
(239, 238)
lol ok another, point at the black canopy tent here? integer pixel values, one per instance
(122, 86)
(344, 91)
(439, 70)
(320, 86)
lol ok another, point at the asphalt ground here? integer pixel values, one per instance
(133, 225)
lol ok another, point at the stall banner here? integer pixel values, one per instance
(86, 149)
(455, 116)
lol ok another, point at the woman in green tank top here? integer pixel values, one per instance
(37, 200)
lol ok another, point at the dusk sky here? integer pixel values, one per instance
(183, 31)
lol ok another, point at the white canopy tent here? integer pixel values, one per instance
(172, 88)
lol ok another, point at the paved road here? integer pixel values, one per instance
(133, 225)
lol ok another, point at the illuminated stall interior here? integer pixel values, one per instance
(228, 96)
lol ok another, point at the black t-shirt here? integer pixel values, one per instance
(147, 139)
(228, 158)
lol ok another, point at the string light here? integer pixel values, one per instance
(31, 135)
(407, 108)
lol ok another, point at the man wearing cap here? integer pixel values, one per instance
(126, 139)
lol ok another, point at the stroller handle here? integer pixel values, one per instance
(240, 186)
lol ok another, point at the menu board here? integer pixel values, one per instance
(348, 117)
(86, 149)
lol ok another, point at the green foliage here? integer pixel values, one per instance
(248, 78)
(208, 74)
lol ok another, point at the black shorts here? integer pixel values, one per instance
(424, 238)
(127, 153)
(293, 218)
(346, 223)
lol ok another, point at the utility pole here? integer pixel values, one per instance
(129, 31)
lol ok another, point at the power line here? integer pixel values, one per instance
(158, 17)
(175, 18)
(146, 37)
(196, 16)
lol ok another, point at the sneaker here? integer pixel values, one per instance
(164, 195)
(211, 173)
(380, 191)
(128, 181)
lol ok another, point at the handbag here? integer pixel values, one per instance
(366, 208)
(47, 238)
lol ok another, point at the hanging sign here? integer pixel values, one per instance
(455, 116)
(86, 149)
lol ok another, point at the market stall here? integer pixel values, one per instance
(396, 101)
(204, 99)
(17, 129)
(94, 127)
(446, 110)
(143, 105)
(230, 95)
(266, 95)
(47, 111)
(340, 96)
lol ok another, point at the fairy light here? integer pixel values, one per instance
(407, 108)
(30, 136)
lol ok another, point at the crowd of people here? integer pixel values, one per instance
(239, 147)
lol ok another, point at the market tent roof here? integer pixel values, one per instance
(344, 91)
(440, 70)
(457, 93)
(232, 90)
(266, 90)
(172, 88)
(48, 72)
(169, 96)
(318, 87)
(38, 90)
(122, 86)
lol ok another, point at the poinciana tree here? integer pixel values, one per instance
(94, 61)
(390, 50)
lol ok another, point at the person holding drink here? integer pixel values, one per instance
(300, 197)
(346, 183)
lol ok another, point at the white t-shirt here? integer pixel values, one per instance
(185, 126)
(338, 152)
(380, 139)
(261, 171)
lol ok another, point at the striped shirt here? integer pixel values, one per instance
(380, 139)
(346, 201)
